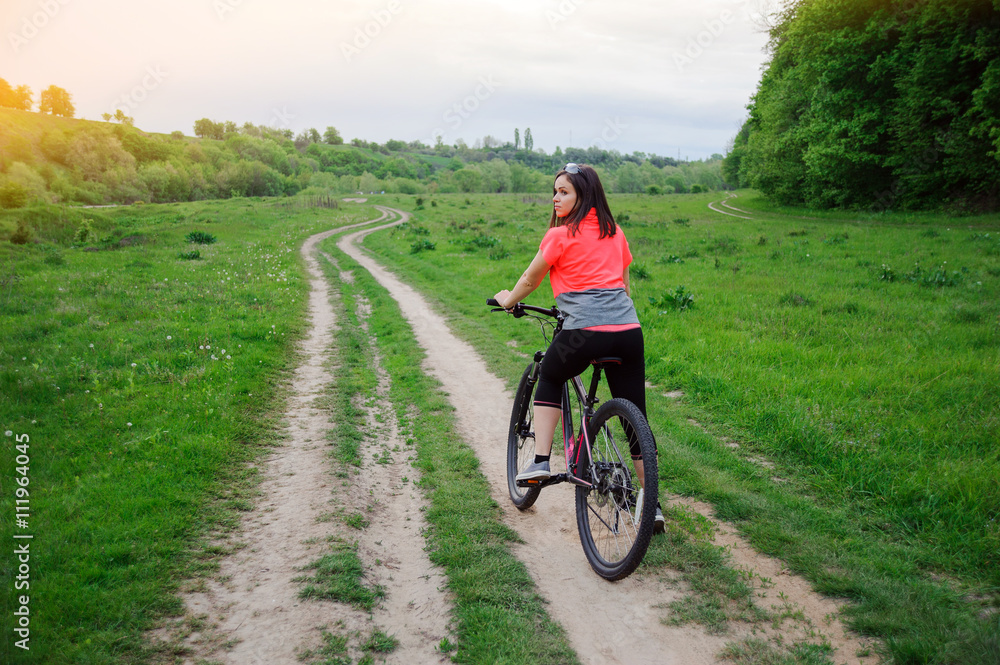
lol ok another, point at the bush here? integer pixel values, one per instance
(22, 236)
(200, 237)
(13, 195)
(680, 300)
(190, 256)
(85, 233)
(484, 242)
(421, 245)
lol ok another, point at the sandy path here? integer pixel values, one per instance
(416, 610)
(723, 202)
(625, 626)
(250, 612)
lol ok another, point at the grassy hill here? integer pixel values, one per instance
(49, 159)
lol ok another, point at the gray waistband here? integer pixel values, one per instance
(596, 307)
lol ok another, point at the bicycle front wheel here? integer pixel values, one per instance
(614, 517)
(521, 440)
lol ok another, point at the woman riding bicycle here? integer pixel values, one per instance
(586, 257)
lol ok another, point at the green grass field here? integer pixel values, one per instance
(858, 355)
(146, 382)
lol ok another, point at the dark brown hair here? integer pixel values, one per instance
(589, 194)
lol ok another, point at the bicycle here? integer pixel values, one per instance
(614, 511)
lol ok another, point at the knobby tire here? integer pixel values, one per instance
(613, 542)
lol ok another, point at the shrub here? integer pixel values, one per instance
(13, 195)
(84, 233)
(653, 190)
(698, 189)
(421, 245)
(637, 271)
(22, 236)
(938, 277)
(724, 245)
(795, 300)
(484, 242)
(190, 256)
(682, 221)
(680, 300)
(200, 237)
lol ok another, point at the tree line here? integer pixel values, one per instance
(114, 162)
(877, 104)
(53, 99)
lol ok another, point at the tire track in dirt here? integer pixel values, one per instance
(249, 612)
(712, 207)
(619, 622)
(392, 547)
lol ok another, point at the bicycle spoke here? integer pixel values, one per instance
(614, 535)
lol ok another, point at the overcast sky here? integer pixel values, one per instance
(671, 78)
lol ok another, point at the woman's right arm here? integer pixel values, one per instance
(529, 281)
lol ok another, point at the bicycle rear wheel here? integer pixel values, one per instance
(521, 440)
(614, 530)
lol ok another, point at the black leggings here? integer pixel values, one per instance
(571, 352)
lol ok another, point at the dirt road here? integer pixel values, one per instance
(251, 613)
(625, 626)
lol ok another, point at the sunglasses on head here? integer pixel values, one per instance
(572, 168)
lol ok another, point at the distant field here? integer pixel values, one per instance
(855, 359)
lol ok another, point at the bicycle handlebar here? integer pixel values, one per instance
(520, 308)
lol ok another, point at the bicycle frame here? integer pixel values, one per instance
(576, 446)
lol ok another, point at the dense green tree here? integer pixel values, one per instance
(496, 176)
(529, 142)
(469, 179)
(22, 98)
(6, 94)
(332, 136)
(208, 129)
(877, 104)
(57, 101)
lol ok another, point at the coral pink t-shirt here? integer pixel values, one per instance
(586, 275)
